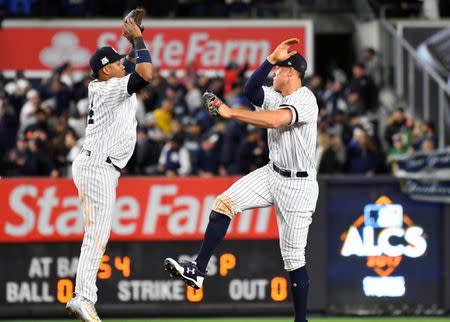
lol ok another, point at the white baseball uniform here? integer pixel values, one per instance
(291, 149)
(109, 144)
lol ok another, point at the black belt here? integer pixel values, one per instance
(288, 173)
(108, 159)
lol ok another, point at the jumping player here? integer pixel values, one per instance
(289, 112)
(109, 144)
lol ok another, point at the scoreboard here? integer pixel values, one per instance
(371, 250)
(247, 276)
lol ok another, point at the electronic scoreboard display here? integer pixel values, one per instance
(247, 276)
(384, 251)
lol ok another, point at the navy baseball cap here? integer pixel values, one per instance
(102, 57)
(297, 61)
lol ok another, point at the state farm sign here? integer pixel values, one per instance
(34, 210)
(173, 44)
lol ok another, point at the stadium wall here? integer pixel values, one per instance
(371, 250)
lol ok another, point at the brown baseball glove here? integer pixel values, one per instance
(137, 15)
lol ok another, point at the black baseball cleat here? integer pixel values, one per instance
(186, 271)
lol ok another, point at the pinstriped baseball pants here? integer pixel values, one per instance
(96, 182)
(294, 200)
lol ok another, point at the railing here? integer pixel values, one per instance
(420, 88)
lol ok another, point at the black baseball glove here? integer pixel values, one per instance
(212, 103)
(137, 15)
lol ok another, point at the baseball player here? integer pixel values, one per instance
(289, 112)
(109, 144)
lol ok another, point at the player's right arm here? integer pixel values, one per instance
(143, 69)
(253, 89)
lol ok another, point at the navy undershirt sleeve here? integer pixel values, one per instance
(135, 83)
(129, 66)
(253, 87)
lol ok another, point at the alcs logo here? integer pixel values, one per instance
(384, 234)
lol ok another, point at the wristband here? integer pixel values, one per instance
(143, 56)
(132, 53)
(138, 43)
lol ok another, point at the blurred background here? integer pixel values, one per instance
(379, 243)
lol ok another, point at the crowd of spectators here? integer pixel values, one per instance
(42, 125)
(155, 8)
(217, 8)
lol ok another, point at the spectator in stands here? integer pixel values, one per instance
(65, 72)
(427, 146)
(362, 157)
(163, 116)
(425, 132)
(399, 148)
(193, 97)
(174, 159)
(147, 153)
(340, 126)
(40, 127)
(73, 147)
(252, 152)
(398, 122)
(29, 109)
(192, 142)
(41, 160)
(18, 160)
(233, 136)
(332, 155)
(209, 156)
(334, 96)
(233, 74)
(372, 62)
(77, 121)
(364, 89)
(8, 128)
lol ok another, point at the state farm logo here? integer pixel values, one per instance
(384, 234)
(65, 47)
(150, 211)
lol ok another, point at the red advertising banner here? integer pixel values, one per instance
(173, 44)
(39, 210)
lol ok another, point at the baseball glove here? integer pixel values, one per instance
(137, 15)
(212, 103)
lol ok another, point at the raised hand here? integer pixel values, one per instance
(130, 30)
(282, 51)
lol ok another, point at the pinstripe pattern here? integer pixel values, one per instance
(291, 148)
(111, 132)
(96, 182)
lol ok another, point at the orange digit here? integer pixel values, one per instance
(123, 264)
(64, 290)
(278, 288)
(104, 271)
(194, 295)
(227, 262)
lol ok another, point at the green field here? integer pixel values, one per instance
(351, 319)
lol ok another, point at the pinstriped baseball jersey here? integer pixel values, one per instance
(110, 132)
(293, 147)
(111, 128)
